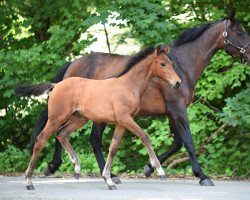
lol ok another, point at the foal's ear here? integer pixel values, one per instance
(232, 15)
(158, 50)
(167, 49)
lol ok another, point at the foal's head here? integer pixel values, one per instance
(162, 67)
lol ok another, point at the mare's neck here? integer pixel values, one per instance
(191, 58)
(138, 78)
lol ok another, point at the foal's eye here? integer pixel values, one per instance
(163, 64)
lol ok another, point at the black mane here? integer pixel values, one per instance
(136, 59)
(192, 33)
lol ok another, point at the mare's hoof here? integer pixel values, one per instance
(112, 187)
(76, 175)
(30, 187)
(163, 177)
(206, 182)
(148, 170)
(116, 179)
(47, 172)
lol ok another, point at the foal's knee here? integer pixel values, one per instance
(145, 139)
(113, 150)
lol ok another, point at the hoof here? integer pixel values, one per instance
(206, 182)
(30, 187)
(116, 179)
(46, 171)
(148, 170)
(163, 177)
(76, 175)
(112, 187)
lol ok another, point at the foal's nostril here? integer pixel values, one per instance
(177, 85)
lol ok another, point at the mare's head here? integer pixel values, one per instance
(236, 38)
(162, 67)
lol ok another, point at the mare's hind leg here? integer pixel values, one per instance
(62, 134)
(129, 123)
(39, 145)
(116, 140)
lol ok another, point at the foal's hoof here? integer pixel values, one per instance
(112, 187)
(116, 180)
(76, 175)
(30, 187)
(206, 182)
(47, 172)
(163, 177)
(148, 170)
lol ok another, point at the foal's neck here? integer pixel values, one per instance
(138, 78)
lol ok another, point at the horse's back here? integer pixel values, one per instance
(97, 65)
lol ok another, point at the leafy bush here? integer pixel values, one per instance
(13, 160)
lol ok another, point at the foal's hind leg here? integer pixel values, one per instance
(39, 145)
(62, 134)
(129, 123)
(116, 140)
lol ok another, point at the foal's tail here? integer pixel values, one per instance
(36, 90)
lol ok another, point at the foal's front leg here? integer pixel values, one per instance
(131, 125)
(116, 140)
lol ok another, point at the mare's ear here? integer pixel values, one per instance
(167, 49)
(158, 50)
(232, 15)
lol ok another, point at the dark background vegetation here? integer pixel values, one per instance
(38, 36)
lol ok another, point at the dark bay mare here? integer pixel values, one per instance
(190, 54)
(114, 100)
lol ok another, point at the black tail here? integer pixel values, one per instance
(36, 89)
(43, 118)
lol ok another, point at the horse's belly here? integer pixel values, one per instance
(99, 112)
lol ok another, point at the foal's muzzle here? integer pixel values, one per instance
(176, 85)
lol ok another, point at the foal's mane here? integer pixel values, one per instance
(135, 59)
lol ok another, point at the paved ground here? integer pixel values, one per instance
(134, 189)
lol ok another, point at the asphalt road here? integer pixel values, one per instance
(134, 189)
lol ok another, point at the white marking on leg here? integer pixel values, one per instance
(106, 173)
(157, 165)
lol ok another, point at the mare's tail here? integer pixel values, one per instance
(36, 89)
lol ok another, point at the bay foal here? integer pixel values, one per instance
(115, 100)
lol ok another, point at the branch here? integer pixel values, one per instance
(209, 104)
(107, 38)
(184, 157)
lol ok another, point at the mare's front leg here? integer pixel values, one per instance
(180, 126)
(96, 143)
(116, 140)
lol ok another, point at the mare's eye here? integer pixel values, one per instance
(239, 33)
(163, 64)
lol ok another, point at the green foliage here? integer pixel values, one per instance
(37, 38)
(13, 159)
(237, 111)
